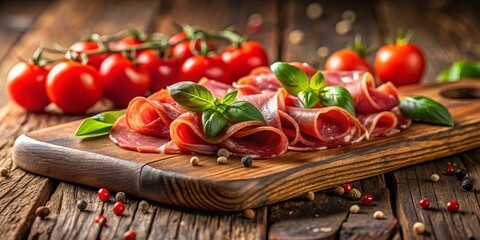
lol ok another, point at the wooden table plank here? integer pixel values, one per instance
(61, 23)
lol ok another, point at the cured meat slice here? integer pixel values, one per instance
(218, 89)
(366, 96)
(327, 127)
(125, 137)
(246, 138)
(152, 117)
(379, 124)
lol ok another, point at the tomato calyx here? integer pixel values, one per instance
(360, 48)
(235, 39)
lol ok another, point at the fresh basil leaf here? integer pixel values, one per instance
(99, 124)
(213, 123)
(292, 78)
(459, 70)
(337, 96)
(229, 97)
(191, 96)
(308, 98)
(317, 82)
(108, 117)
(243, 111)
(424, 109)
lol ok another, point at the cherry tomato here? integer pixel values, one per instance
(401, 64)
(347, 60)
(88, 46)
(182, 46)
(162, 71)
(74, 87)
(26, 86)
(244, 59)
(196, 67)
(126, 42)
(123, 79)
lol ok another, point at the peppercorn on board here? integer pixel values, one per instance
(55, 152)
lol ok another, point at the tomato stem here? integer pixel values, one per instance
(235, 39)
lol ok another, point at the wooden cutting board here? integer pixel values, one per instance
(55, 152)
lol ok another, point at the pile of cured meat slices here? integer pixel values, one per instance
(158, 124)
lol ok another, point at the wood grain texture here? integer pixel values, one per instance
(170, 179)
(414, 183)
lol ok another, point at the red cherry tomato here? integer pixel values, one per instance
(401, 64)
(74, 87)
(26, 86)
(347, 60)
(196, 67)
(162, 71)
(123, 79)
(88, 46)
(126, 42)
(182, 46)
(244, 59)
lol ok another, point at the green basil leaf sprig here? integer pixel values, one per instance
(215, 112)
(424, 109)
(295, 81)
(99, 124)
(459, 70)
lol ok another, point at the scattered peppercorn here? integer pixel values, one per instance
(347, 187)
(222, 152)
(378, 215)
(103, 194)
(460, 173)
(249, 213)
(419, 227)
(246, 161)
(354, 208)
(449, 170)
(467, 184)
(143, 205)
(424, 203)
(81, 205)
(194, 161)
(222, 160)
(42, 212)
(435, 177)
(101, 219)
(120, 196)
(118, 208)
(355, 194)
(367, 199)
(339, 190)
(129, 235)
(4, 172)
(452, 206)
(310, 196)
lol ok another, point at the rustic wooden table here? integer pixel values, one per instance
(446, 31)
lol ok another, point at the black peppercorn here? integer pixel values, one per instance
(81, 205)
(467, 184)
(42, 212)
(460, 173)
(247, 161)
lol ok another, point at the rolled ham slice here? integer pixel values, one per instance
(379, 124)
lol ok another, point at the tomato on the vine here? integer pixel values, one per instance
(182, 46)
(74, 87)
(402, 63)
(212, 67)
(127, 42)
(26, 86)
(123, 79)
(87, 47)
(347, 60)
(243, 59)
(163, 72)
